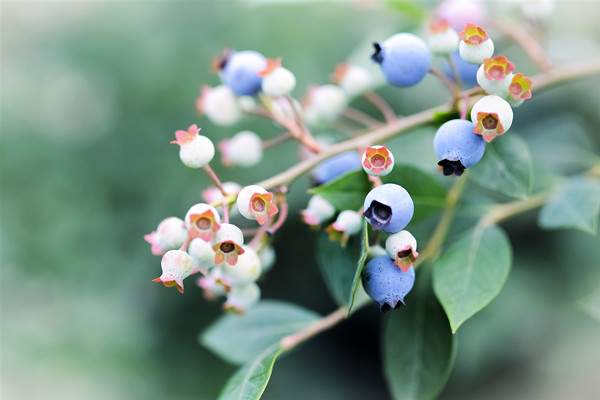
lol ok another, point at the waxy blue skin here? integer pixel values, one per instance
(404, 59)
(336, 167)
(385, 283)
(466, 71)
(240, 72)
(455, 141)
(399, 202)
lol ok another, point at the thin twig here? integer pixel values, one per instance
(277, 140)
(361, 117)
(519, 34)
(215, 179)
(293, 340)
(450, 85)
(382, 105)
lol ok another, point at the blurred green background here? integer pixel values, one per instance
(91, 93)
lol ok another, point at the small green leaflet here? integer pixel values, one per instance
(346, 192)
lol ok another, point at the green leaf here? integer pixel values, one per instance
(338, 266)
(472, 272)
(346, 192)
(250, 381)
(238, 339)
(575, 205)
(506, 167)
(591, 303)
(411, 9)
(428, 195)
(418, 347)
(364, 252)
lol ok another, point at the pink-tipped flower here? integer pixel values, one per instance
(213, 194)
(377, 160)
(219, 104)
(318, 211)
(348, 223)
(228, 244)
(495, 75)
(441, 37)
(277, 80)
(354, 80)
(246, 271)
(241, 298)
(176, 266)
(212, 284)
(244, 149)
(254, 202)
(169, 235)
(202, 220)
(195, 150)
(519, 89)
(475, 45)
(402, 248)
(492, 116)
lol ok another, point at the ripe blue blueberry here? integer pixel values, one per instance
(388, 208)
(404, 59)
(457, 147)
(240, 71)
(467, 72)
(336, 167)
(385, 283)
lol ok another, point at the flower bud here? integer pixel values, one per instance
(241, 298)
(318, 211)
(202, 253)
(195, 151)
(228, 244)
(219, 104)
(254, 202)
(246, 271)
(277, 80)
(348, 223)
(324, 104)
(213, 194)
(441, 38)
(212, 285)
(402, 248)
(354, 80)
(202, 220)
(176, 266)
(243, 149)
(170, 235)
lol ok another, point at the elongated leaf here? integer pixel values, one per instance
(576, 205)
(338, 266)
(418, 346)
(346, 192)
(250, 381)
(364, 252)
(238, 339)
(471, 273)
(506, 167)
(426, 191)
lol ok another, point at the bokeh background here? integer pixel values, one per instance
(91, 93)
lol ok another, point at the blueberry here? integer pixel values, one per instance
(404, 59)
(467, 72)
(385, 283)
(388, 208)
(457, 147)
(336, 167)
(240, 71)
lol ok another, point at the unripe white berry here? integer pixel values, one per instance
(277, 80)
(442, 38)
(267, 258)
(169, 235)
(354, 80)
(325, 103)
(228, 244)
(247, 103)
(241, 298)
(349, 222)
(243, 149)
(247, 269)
(255, 203)
(495, 87)
(318, 211)
(213, 193)
(476, 53)
(220, 105)
(213, 284)
(195, 150)
(492, 116)
(203, 221)
(402, 248)
(202, 253)
(176, 266)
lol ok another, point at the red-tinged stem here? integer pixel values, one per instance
(382, 105)
(215, 179)
(225, 207)
(277, 140)
(283, 214)
(450, 85)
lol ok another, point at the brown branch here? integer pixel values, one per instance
(527, 42)
(382, 105)
(361, 117)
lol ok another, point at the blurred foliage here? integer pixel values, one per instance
(91, 93)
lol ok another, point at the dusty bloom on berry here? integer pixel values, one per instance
(176, 266)
(377, 160)
(254, 202)
(519, 89)
(354, 80)
(243, 149)
(219, 104)
(202, 220)
(202, 253)
(277, 80)
(441, 37)
(475, 45)
(402, 248)
(169, 235)
(492, 116)
(318, 211)
(348, 223)
(195, 151)
(213, 194)
(247, 269)
(228, 244)
(241, 298)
